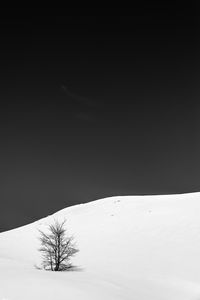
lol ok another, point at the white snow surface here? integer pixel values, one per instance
(131, 248)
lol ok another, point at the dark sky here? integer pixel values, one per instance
(95, 106)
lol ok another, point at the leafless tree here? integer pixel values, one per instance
(57, 249)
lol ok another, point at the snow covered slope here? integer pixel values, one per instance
(131, 248)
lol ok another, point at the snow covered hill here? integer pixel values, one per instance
(131, 248)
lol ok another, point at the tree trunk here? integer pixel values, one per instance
(56, 267)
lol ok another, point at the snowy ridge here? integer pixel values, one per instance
(131, 247)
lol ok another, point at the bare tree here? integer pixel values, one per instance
(57, 249)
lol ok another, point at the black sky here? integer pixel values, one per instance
(95, 106)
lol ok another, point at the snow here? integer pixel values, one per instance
(131, 247)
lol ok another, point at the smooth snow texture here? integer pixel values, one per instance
(131, 248)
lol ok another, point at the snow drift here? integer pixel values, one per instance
(131, 247)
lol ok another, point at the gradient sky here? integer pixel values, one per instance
(95, 106)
